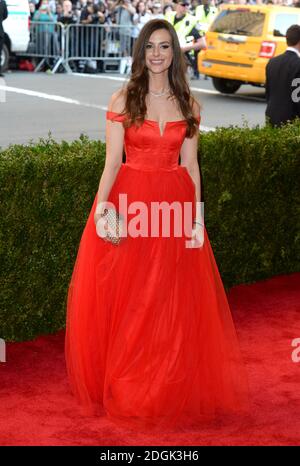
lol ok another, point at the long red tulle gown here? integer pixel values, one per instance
(150, 341)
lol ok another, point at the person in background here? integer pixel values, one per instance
(124, 12)
(157, 11)
(167, 9)
(142, 16)
(282, 80)
(44, 15)
(87, 13)
(32, 9)
(58, 13)
(205, 13)
(65, 13)
(190, 40)
(3, 16)
(46, 35)
(52, 6)
(135, 30)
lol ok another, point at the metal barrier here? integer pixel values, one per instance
(109, 44)
(57, 45)
(47, 41)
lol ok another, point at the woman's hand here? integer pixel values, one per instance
(197, 239)
(99, 211)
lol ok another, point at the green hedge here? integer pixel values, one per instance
(250, 182)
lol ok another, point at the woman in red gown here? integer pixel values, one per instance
(150, 341)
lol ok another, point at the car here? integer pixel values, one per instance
(16, 30)
(241, 41)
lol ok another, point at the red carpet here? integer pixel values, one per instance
(37, 407)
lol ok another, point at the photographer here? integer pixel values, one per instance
(87, 12)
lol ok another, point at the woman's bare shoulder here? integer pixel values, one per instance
(117, 101)
(196, 107)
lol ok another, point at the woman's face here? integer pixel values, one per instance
(159, 51)
(142, 7)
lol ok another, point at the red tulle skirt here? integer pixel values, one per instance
(150, 340)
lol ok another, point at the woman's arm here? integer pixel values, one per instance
(188, 155)
(114, 151)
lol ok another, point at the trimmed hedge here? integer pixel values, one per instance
(252, 200)
(250, 181)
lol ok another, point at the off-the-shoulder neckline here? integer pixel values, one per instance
(155, 121)
(166, 123)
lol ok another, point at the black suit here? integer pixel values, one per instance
(280, 73)
(3, 16)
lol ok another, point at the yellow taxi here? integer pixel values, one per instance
(240, 42)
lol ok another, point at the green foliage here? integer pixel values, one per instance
(47, 191)
(251, 198)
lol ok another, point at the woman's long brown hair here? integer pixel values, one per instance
(136, 88)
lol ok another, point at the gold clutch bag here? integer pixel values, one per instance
(115, 224)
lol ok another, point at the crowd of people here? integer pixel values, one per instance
(129, 15)
(124, 12)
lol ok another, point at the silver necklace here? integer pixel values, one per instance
(159, 95)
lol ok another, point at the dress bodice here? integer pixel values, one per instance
(149, 149)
